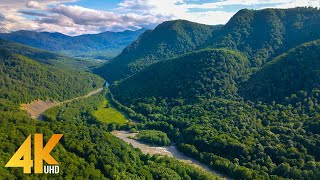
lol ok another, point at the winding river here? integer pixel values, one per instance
(170, 151)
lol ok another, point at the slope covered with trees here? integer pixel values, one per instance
(261, 35)
(205, 73)
(46, 57)
(264, 34)
(168, 40)
(202, 99)
(87, 150)
(106, 44)
(294, 71)
(23, 80)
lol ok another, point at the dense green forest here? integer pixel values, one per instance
(153, 137)
(264, 34)
(259, 34)
(242, 98)
(169, 39)
(23, 80)
(248, 106)
(104, 46)
(206, 73)
(87, 150)
(47, 57)
(286, 75)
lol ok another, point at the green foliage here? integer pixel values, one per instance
(153, 137)
(205, 73)
(298, 69)
(97, 46)
(264, 34)
(87, 151)
(23, 80)
(259, 34)
(106, 113)
(168, 40)
(47, 57)
(194, 98)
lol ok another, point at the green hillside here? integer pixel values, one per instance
(104, 45)
(87, 149)
(244, 140)
(286, 75)
(200, 98)
(259, 34)
(168, 40)
(47, 57)
(205, 73)
(264, 34)
(23, 80)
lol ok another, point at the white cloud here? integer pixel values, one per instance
(55, 15)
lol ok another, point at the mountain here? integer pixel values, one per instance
(294, 71)
(264, 34)
(87, 150)
(206, 73)
(23, 80)
(104, 45)
(259, 34)
(168, 40)
(245, 101)
(47, 57)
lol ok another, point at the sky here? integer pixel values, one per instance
(76, 17)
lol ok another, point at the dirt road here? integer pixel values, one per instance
(35, 109)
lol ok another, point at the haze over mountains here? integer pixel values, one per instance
(260, 35)
(88, 150)
(243, 98)
(97, 46)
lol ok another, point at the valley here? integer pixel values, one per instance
(170, 151)
(204, 102)
(35, 109)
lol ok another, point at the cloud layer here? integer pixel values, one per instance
(59, 16)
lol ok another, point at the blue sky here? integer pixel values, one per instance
(75, 17)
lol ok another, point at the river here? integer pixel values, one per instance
(170, 151)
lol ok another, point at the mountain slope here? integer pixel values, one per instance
(23, 80)
(296, 70)
(168, 40)
(107, 44)
(194, 98)
(46, 57)
(264, 34)
(260, 34)
(207, 73)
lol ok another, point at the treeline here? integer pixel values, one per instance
(23, 80)
(243, 140)
(87, 150)
(86, 137)
(153, 137)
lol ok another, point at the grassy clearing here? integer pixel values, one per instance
(109, 115)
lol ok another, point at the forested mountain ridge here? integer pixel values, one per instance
(259, 34)
(264, 34)
(244, 139)
(286, 75)
(168, 40)
(46, 57)
(91, 45)
(206, 73)
(23, 80)
(87, 150)
(251, 111)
